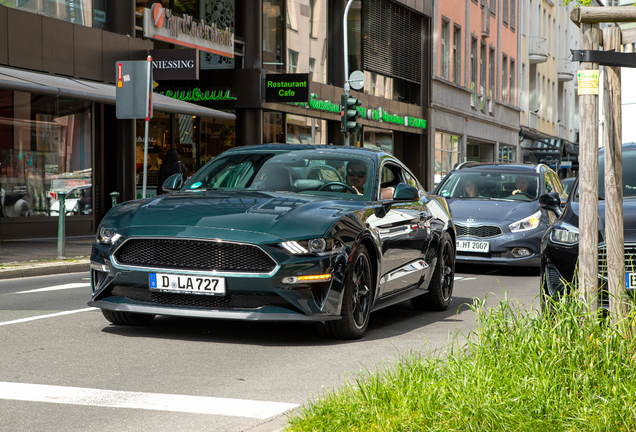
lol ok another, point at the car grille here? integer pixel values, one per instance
(630, 259)
(195, 255)
(480, 231)
(481, 254)
(237, 301)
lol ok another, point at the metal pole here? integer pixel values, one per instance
(113, 198)
(61, 234)
(148, 84)
(346, 58)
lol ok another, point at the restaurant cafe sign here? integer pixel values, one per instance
(162, 24)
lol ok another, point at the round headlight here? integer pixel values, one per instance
(317, 245)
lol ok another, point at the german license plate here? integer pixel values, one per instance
(472, 246)
(630, 280)
(178, 283)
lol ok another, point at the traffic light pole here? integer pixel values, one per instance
(346, 60)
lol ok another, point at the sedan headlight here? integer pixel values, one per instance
(318, 246)
(565, 234)
(529, 223)
(107, 235)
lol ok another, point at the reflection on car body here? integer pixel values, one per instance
(277, 232)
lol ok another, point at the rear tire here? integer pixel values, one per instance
(127, 318)
(356, 303)
(440, 290)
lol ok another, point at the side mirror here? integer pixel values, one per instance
(552, 202)
(406, 192)
(173, 183)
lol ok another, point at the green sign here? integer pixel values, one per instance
(198, 95)
(287, 87)
(369, 114)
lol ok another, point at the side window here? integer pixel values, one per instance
(389, 178)
(549, 187)
(556, 183)
(387, 174)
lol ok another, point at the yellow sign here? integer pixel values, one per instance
(588, 82)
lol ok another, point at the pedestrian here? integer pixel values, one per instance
(171, 165)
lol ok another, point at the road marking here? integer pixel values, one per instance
(56, 288)
(139, 400)
(458, 278)
(18, 321)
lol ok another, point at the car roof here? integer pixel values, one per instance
(626, 147)
(502, 167)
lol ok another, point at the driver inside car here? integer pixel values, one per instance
(356, 176)
(521, 185)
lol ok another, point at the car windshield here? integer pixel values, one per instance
(514, 186)
(300, 171)
(629, 175)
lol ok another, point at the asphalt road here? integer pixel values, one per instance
(64, 367)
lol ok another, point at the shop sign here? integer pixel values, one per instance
(588, 82)
(175, 64)
(198, 95)
(370, 114)
(287, 87)
(162, 24)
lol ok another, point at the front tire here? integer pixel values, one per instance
(127, 318)
(356, 303)
(440, 290)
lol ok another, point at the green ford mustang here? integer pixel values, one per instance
(278, 233)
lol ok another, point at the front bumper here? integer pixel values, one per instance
(501, 247)
(254, 297)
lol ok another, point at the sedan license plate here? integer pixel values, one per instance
(630, 280)
(178, 283)
(473, 246)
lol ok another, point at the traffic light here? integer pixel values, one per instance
(349, 114)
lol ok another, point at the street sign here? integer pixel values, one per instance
(287, 87)
(133, 90)
(357, 80)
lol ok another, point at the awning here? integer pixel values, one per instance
(54, 85)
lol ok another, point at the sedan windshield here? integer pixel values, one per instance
(304, 171)
(491, 185)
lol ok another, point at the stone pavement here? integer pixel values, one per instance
(37, 257)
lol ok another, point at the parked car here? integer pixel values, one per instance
(77, 201)
(278, 233)
(560, 245)
(567, 184)
(496, 211)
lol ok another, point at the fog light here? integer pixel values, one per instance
(521, 252)
(306, 279)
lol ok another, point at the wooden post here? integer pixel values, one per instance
(613, 143)
(588, 178)
(595, 14)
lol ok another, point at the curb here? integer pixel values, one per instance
(44, 270)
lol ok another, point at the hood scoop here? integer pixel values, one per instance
(278, 206)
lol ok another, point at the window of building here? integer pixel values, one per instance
(507, 154)
(482, 74)
(504, 78)
(305, 130)
(273, 131)
(445, 49)
(513, 92)
(447, 154)
(473, 69)
(544, 97)
(493, 7)
(307, 38)
(472, 152)
(273, 36)
(457, 55)
(45, 147)
(505, 11)
(513, 14)
(491, 73)
(378, 139)
(89, 13)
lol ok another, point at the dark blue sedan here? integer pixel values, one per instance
(496, 211)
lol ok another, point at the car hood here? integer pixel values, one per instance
(486, 210)
(235, 215)
(629, 218)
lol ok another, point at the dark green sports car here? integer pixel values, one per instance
(278, 233)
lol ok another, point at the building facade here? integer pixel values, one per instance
(474, 97)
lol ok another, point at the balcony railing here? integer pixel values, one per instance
(536, 49)
(565, 70)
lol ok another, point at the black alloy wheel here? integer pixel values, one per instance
(356, 303)
(440, 290)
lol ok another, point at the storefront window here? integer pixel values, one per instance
(378, 140)
(507, 154)
(89, 13)
(45, 147)
(306, 130)
(273, 35)
(307, 38)
(273, 127)
(216, 137)
(447, 153)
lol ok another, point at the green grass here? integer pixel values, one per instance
(519, 371)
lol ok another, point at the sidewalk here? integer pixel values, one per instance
(38, 257)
